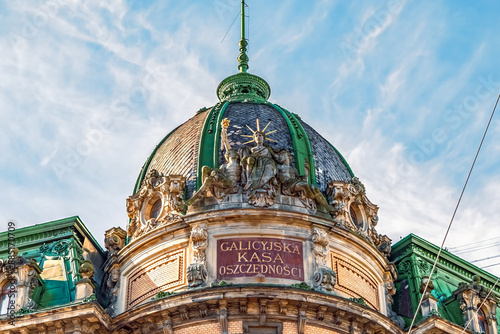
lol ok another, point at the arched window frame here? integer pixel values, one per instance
(483, 321)
(4, 298)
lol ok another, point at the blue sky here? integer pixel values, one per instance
(402, 88)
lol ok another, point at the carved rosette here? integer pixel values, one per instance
(196, 272)
(156, 187)
(324, 277)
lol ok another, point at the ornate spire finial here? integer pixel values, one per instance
(243, 58)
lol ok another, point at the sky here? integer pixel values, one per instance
(402, 88)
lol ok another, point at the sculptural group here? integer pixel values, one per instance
(261, 173)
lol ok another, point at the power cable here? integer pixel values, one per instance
(490, 265)
(485, 258)
(454, 213)
(227, 32)
(473, 249)
(472, 243)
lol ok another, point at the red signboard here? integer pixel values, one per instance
(262, 257)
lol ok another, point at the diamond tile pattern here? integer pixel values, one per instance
(179, 153)
(329, 165)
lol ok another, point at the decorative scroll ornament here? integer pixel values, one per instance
(197, 272)
(167, 189)
(324, 277)
(114, 240)
(356, 212)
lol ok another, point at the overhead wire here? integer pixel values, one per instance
(490, 265)
(473, 249)
(472, 243)
(454, 213)
(227, 32)
(484, 259)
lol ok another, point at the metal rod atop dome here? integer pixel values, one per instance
(243, 58)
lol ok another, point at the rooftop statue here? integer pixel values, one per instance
(224, 180)
(292, 184)
(259, 169)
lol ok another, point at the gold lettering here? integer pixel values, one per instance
(279, 270)
(255, 256)
(253, 245)
(236, 269)
(241, 246)
(255, 266)
(285, 248)
(242, 256)
(287, 270)
(277, 245)
(293, 270)
(230, 270)
(224, 248)
(277, 258)
(222, 272)
(262, 267)
(233, 246)
(272, 267)
(296, 249)
(266, 257)
(264, 243)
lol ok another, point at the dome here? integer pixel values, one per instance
(246, 195)
(196, 143)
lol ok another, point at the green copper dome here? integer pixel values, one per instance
(196, 143)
